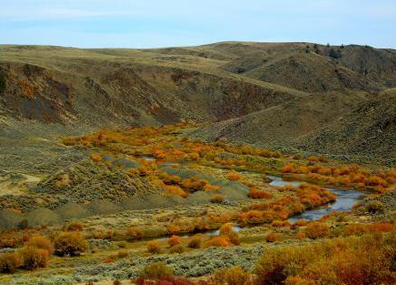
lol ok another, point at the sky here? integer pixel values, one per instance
(164, 23)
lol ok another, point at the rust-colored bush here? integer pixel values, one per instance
(34, 257)
(96, 157)
(219, 241)
(10, 262)
(153, 247)
(272, 237)
(226, 229)
(233, 237)
(316, 230)
(289, 168)
(254, 193)
(234, 176)
(70, 244)
(174, 240)
(41, 242)
(134, 233)
(217, 198)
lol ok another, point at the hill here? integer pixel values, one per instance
(267, 93)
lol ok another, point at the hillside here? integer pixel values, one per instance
(285, 122)
(266, 93)
(370, 129)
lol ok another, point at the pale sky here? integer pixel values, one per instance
(161, 23)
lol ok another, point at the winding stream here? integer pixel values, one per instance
(345, 200)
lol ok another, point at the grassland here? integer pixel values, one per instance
(198, 207)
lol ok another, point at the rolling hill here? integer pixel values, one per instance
(275, 94)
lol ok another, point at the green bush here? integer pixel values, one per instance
(157, 270)
(177, 249)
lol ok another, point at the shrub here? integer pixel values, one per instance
(348, 261)
(34, 257)
(289, 168)
(316, 230)
(195, 242)
(254, 193)
(234, 238)
(219, 241)
(374, 206)
(9, 262)
(272, 237)
(134, 233)
(70, 244)
(354, 230)
(41, 242)
(217, 198)
(74, 227)
(209, 188)
(96, 157)
(157, 270)
(226, 229)
(234, 176)
(272, 267)
(236, 276)
(153, 247)
(174, 240)
(177, 249)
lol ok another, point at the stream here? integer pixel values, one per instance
(345, 201)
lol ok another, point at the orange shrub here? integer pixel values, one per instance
(354, 230)
(96, 157)
(153, 247)
(316, 230)
(300, 235)
(280, 224)
(134, 233)
(34, 257)
(175, 191)
(219, 241)
(10, 261)
(226, 229)
(174, 240)
(289, 168)
(234, 176)
(234, 238)
(272, 237)
(217, 198)
(313, 159)
(383, 227)
(209, 188)
(41, 242)
(70, 244)
(171, 179)
(301, 223)
(254, 193)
